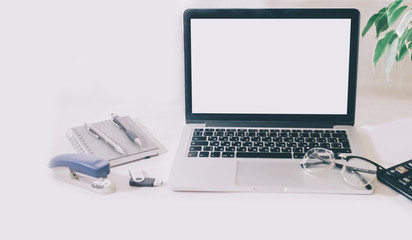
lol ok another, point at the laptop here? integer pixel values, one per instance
(262, 86)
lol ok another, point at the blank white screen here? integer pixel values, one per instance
(270, 66)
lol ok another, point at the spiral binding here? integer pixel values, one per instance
(78, 142)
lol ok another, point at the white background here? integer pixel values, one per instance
(66, 62)
(270, 66)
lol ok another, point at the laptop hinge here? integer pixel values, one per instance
(317, 124)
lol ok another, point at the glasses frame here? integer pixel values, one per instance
(343, 167)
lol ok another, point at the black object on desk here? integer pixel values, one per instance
(398, 177)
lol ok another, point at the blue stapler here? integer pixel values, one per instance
(87, 171)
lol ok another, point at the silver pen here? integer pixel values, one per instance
(129, 132)
(101, 136)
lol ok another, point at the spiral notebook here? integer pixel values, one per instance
(84, 142)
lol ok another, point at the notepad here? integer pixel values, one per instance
(84, 142)
(391, 141)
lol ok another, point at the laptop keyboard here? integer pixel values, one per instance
(264, 143)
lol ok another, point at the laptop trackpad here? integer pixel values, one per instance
(258, 173)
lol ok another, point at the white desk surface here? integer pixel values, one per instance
(63, 63)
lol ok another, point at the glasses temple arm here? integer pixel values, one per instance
(367, 186)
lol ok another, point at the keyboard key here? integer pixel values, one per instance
(287, 149)
(247, 144)
(336, 145)
(228, 154)
(241, 149)
(291, 144)
(298, 150)
(213, 139)
(200, 143)
(298, 155)
(341, 150)
(258, 144)
(219, 134)
(269, 144)
(245, 139)
(280, 144)
(230, 149)
(325, 145)
(266, 139)
(255, 139)
(405, 181)
(215, 154)
(207, 149)
(225, 144)
(197, 138)
(332, 140)
(234, 139)
(192, 154)
(393, 173)
(274, 149)
(204, 154)
(252, 149)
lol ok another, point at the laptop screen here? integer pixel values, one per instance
(277, 65)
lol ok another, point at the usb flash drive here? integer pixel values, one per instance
(137, 179)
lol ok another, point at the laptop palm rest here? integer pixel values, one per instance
(288, 176)
(268, 174)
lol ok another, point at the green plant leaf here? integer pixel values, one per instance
(402, 48)
(401, 52)
(371, 21)
(381, 24)
(391, 57)
(408, 43)
(408, 40)
(393, 6)
(403, 24)
(392, 37)
(396, 14)
(383, 10)
(382, 45)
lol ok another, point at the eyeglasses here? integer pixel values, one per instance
(357, 171)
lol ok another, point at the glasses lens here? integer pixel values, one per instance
(317, 160)
(359, 172)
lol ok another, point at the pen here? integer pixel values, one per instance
(101, 136)
(129, 132)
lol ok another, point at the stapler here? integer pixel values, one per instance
(87, 171)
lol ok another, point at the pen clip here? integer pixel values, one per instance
(90, 130)
(115, 122)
